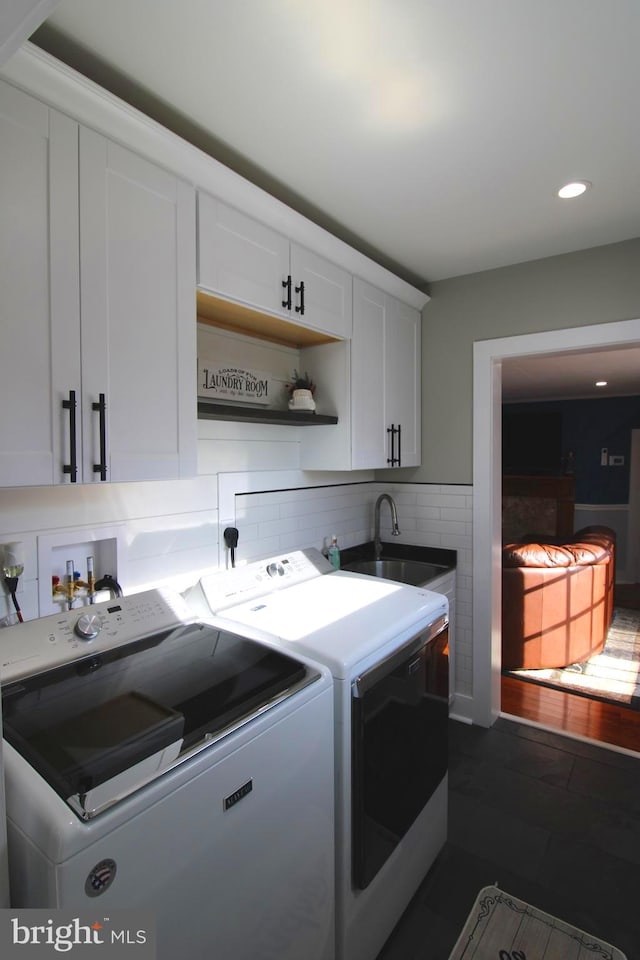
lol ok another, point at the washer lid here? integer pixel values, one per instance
(138, 707)
(339, 619)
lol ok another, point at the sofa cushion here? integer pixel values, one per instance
(554, 555)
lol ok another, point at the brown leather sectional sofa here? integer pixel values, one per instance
(557, 599)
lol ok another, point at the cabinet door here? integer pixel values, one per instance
(40, 356)
(322, 294)
(385, 378)
(137, 275)
(402, 378)
(241, 258)
(368, 428)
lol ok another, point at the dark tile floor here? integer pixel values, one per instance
(551, 820)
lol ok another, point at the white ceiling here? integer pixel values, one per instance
(572, 375)
(431, 133)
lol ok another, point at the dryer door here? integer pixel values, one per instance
(399, 714)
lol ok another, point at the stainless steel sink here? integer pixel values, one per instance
(414, 572)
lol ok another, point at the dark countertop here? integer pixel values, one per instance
(400, 551)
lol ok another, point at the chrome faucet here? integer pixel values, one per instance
(395, 529)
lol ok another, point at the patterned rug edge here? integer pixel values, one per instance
(529, 676)
(469, 944)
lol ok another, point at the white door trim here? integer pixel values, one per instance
(487, 470)
(633, 528)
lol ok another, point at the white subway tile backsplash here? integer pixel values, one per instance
(423, 512)
(464, 597)
(428, 515)
(404, 498)
(440, 500)
(260, 513)
(455, 541)
(173, 529)
(456, 513)
(258, 550)
(279, 527)
(448, 528)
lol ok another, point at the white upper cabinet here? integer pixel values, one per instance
(385, 381)
(322, 291)
(246, 261)
(403, 393)
(368, 388)
(97, 272)
(240, 258)
(372, 384)
(39, 301)
(137, 276)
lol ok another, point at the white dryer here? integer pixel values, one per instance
(153, 761)
(386, 645)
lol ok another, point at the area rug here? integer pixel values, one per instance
(613, 675)
(501, 927)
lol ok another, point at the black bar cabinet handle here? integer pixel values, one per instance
(101, 467)
(395, 431)
(300, 290)
(392, 460)
(71, 468)
(399, 444)
(287, 286)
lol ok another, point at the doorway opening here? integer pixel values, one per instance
(487, 482)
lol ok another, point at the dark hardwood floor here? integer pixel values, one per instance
(573, 714)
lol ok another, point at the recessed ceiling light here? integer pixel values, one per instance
(601, 383)
(574, 189)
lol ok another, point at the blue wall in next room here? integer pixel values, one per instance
(587, 427)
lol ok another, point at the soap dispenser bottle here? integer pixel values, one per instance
(333, 553)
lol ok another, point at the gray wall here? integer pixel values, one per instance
(598, 285)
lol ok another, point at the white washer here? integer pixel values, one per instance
(386, 645)
(4, 858)
(156, 762)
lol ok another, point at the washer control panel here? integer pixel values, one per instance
(262, 576)
(88, 626)
(37, 645)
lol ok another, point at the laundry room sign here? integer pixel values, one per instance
(234, 384)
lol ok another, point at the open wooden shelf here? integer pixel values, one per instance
(227, 315)
(209, 410)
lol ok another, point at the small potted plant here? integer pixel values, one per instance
(301, 390)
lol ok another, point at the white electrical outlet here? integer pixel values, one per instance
(616, 460)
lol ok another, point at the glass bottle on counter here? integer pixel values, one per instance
(333, 553)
